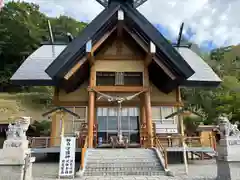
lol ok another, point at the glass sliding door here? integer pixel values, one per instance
(110, 122)
(129, 119)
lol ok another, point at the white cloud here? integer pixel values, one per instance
(213, 20)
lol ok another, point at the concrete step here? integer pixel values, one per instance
(125, 169)
(122, 161)
(124, 173)
(125, 164)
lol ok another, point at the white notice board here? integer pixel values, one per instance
(67, 157)
(166, 128)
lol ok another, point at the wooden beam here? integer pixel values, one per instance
(120, 57)
(118, 88)
(119, 42)
(75, 68)
(103, 38)
(154, 57)
(119, 32)
(90, 53)
(106, 103)
(91, 58)
(148, 59)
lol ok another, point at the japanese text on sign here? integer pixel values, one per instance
(67, 157)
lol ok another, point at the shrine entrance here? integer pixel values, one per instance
(111, 121)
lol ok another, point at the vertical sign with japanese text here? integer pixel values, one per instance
(67, 157)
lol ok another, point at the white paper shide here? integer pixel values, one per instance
(67, 157)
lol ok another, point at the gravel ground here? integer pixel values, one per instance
(198, 170)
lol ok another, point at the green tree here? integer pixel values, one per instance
(225, 98)
(22, 29)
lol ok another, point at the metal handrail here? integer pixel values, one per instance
(163, 151)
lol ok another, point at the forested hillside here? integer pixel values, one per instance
(23, 27)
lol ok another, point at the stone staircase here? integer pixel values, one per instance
(123, 162)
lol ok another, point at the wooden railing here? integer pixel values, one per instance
(162, 150)
(176, 141)
(45, 142)
(83, 152)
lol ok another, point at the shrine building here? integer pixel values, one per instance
(119, 75)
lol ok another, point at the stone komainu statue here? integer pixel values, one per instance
(226, 128)
(18, 129)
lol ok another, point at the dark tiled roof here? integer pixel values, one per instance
(33, 68)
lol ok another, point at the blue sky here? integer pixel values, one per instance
(208, 23)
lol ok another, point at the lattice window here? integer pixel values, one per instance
(119, 78)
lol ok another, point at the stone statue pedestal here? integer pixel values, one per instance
(15, 157)
(225, 160)
(228, 152)
(14, 152)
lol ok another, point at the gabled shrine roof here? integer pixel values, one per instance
(50, 63)
(101, 24)
(76, 49)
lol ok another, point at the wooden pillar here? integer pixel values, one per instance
(91, 107)
(54, 125)
(148, 111)
(179, 100)
(62, 115)
(54, 134)
(180, 116)
(147, 107)
(143, 122)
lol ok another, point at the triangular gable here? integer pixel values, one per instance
(66, 60)
(152, 34)
(76, 48)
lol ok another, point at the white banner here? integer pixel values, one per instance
(67, 157)
(166, 128)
